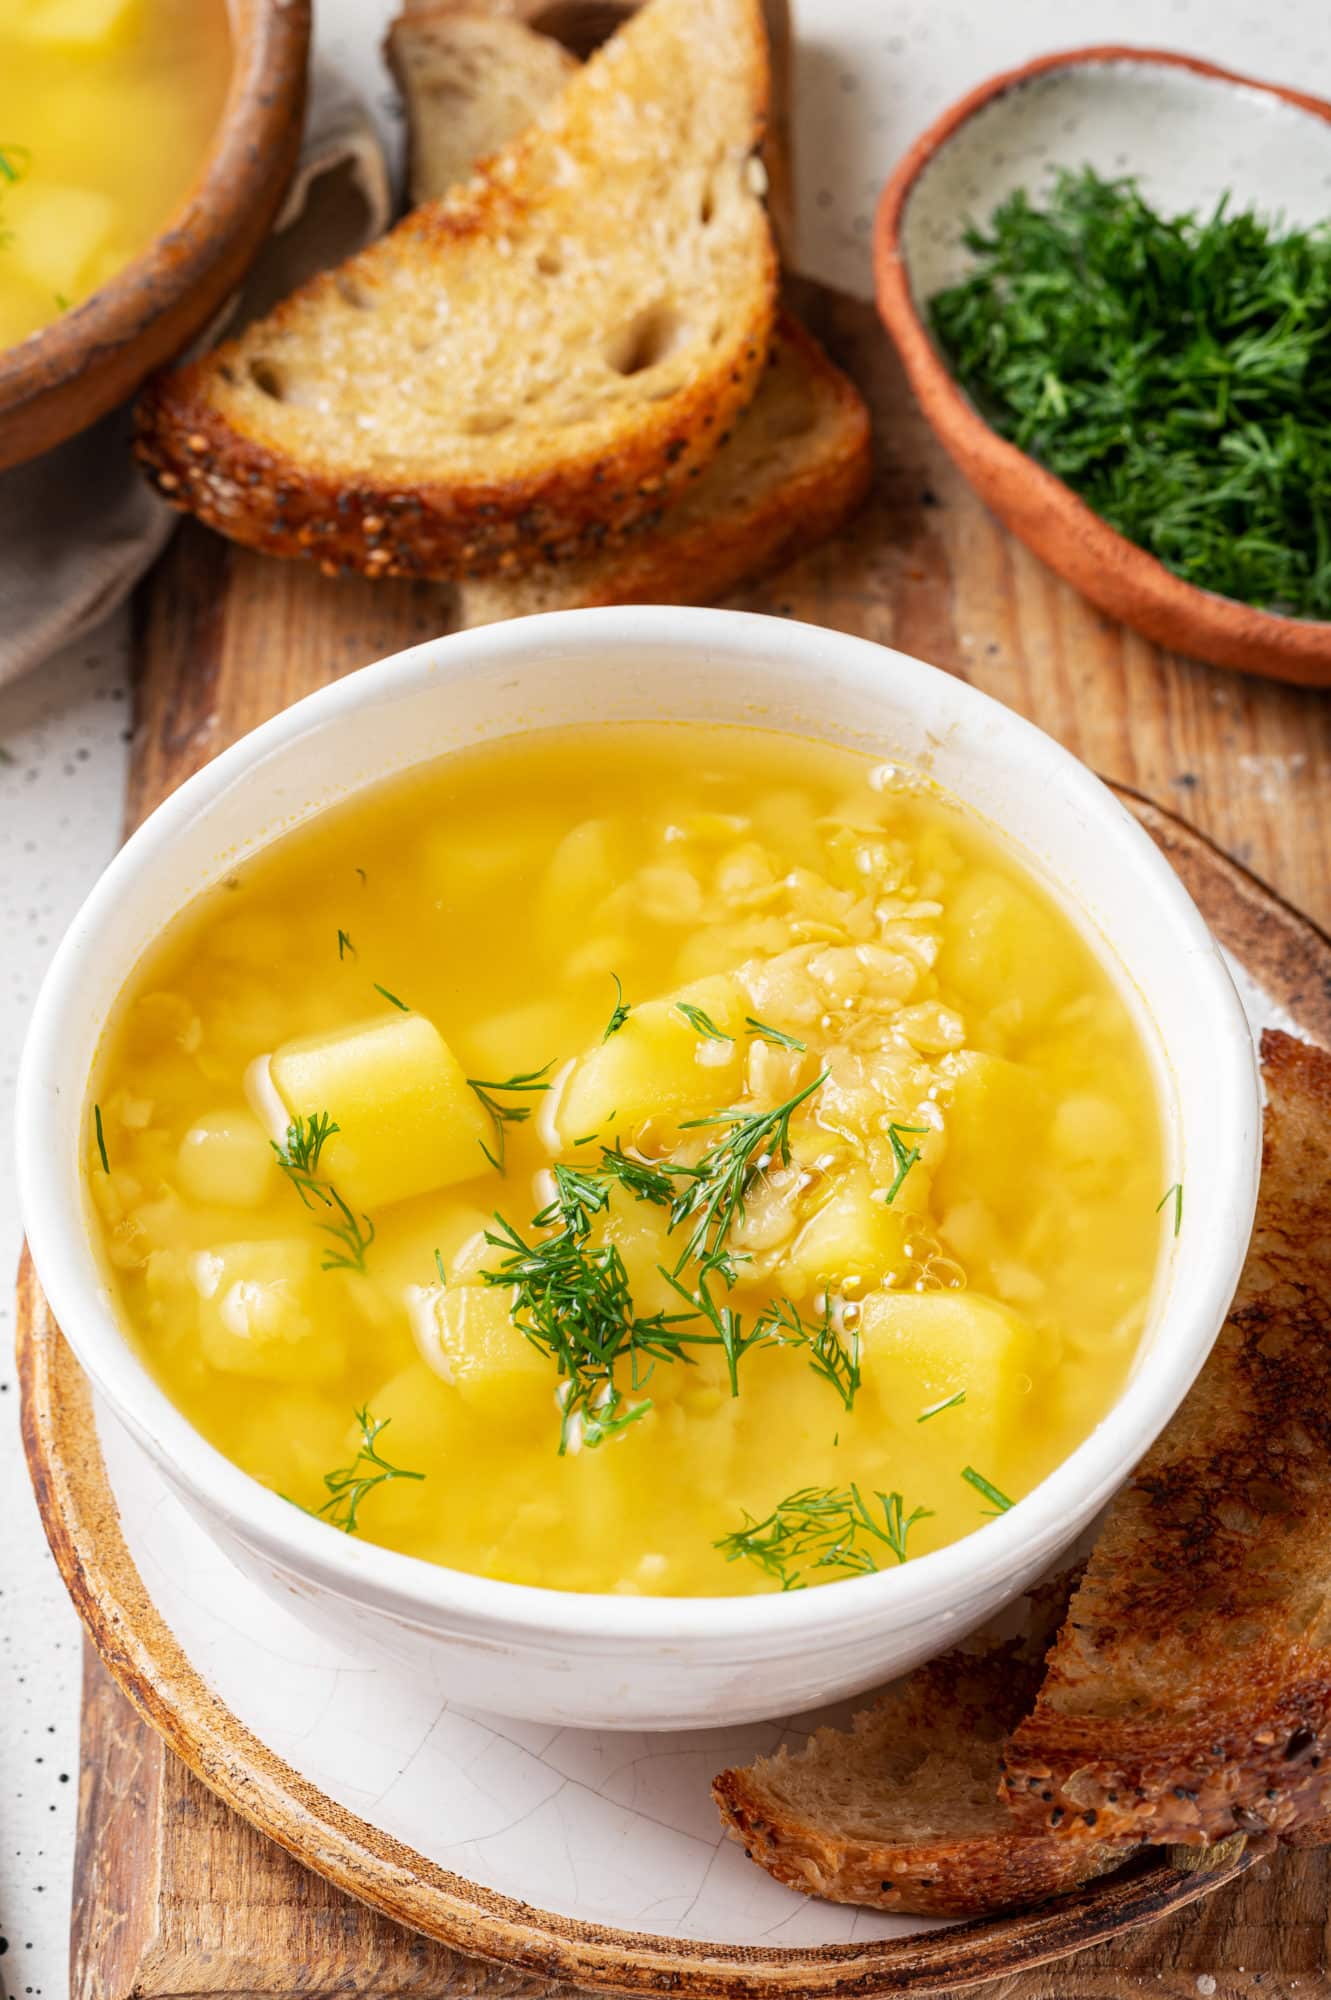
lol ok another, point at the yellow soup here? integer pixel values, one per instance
(107, 108)
(643, 1158)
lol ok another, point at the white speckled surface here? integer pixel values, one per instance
(869, 78)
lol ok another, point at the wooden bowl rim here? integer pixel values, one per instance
(82, 1525)
(1234, 634)
(270, 43)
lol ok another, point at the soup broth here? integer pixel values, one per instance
(107, 108)
(647, 1158)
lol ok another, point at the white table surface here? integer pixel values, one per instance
(870, 74)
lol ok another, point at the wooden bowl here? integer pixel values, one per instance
(1188, 131)
(62, 378)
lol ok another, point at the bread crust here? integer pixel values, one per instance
(702, 550)
(1188, 1696)
(572, 499)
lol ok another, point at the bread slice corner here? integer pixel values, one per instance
(900, 1812)
(531, 363)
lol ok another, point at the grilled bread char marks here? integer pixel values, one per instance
(797, 466)
(1189, 1694)
(527, 367)
(900, 1812)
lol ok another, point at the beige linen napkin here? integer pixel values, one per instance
(79, 527)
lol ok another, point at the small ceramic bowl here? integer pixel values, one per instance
(62, 378)
(1188, 131)
(602, 1660)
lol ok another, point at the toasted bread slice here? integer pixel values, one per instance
(470, 83)
(900, 1812)
(797, 465)
(1189, 1693)
(525, 367)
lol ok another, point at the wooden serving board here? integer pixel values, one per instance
(177, 1895)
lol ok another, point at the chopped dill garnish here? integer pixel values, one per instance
(768, 1034)
(937, 1409)
(14, 163)
(999, 1500)
(352, 1237)
(823, 1527)
(585, 1140)
(439, 1267)
(645, 1180)
(348, 1486)
(578, 1197)
(501, 1115)
(101, 1137)
(299, 1156)
(1173, 370)
(391, 998)
(715, 1189)
(829, 1355)
(726, 1322)
(701, 1022)
(904, 1158)
(619, 1013)
(1174, 1194)
(344, 945)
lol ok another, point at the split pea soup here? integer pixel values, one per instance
(645, 1158)
(107, 110)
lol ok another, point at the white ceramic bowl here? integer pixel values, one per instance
(657, 1662)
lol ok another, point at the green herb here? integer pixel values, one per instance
(619, 1013)
(14, 164)
(766, 1034)
(1175, 371)
(578, 1197)
(61, 301)
(439, 1267)
(391, 998)
(823, 1527)
(701, 1023)
(829, 1356)
(501, 1115)
(645, 1180)
(998, 1500)
(299, 1156)
(348, 1486)
(344, 945)
(7, 756)
(726, 1322)
(937, 1409)
(571, 1299)
(352, 1238)
(101, 1139)
(905, 1159)
(364, 878)
(713, 1194)
(1174, 1194)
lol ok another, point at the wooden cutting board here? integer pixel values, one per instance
(175, 1895)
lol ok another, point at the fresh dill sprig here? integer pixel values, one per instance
(578, 1197)
(572, 1301)
(344, 945)
(391, 998)
(349, 1484)
(645, 1180)
(439, 1267)
(501, 1115)
(701, 1022)
(1174, 1194)
(619, 1013)
(713, 1195)
(352, 1237)
(829, 1356)
(1173, 370)
(299, 1155)
(823, 1527)
(769, 1034)
(726, 1322)
(101, 1137)
(997, 1499)
(937, 1409)
(905, 1157)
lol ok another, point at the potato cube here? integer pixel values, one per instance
(466, 1335)
(407, 1120)
(854, 1235)
(995, 1112)
(1004, 945)
(919, 1348)
(660, 1064)
(258, 1313)
(59, 236)
(226, 1158)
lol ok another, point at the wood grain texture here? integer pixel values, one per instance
(181, 1897)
